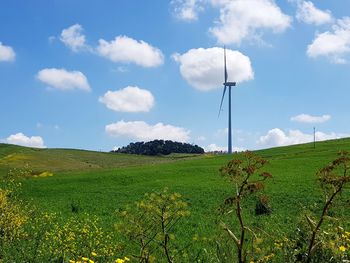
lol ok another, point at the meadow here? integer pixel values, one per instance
(101, 184)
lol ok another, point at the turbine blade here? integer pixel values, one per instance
(222, 99)
(226, 75)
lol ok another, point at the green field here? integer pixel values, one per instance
(101, 183)
(104, 182)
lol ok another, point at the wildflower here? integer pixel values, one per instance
(84, 259)
(94, 254)
(71, 261)
(342, 248)
(278, 245)
(126, 259)
(91, 261)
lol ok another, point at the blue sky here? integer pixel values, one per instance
(100, 74)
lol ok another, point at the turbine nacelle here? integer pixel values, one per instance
(229, 84)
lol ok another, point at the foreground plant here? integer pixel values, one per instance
(245, 176)
(150, 224)
(333, 178)
(13, 214)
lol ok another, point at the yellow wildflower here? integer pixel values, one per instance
(126, 259)
(84, 259)
(91, 261)
(94, 254)
(342, 248)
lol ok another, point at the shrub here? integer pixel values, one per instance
(149, 225)
(246, 178)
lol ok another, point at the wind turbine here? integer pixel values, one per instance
(228, 85)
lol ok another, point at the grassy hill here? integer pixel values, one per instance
(13, 156)
(101, 183)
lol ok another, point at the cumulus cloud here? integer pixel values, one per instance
(73, 38)
(247, 19)
(277, 137)
(215, 148)
(203, 68)
(187, 10)
(129, 99)
(306, 118)
(143, 131)
(334, 44)
(127, 50)
(63, 80)
(7, 54)
(23, 140)
(309, 14)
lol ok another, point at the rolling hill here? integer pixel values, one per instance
(101, 183)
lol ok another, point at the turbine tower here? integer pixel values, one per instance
(228, 85)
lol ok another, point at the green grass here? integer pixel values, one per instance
(101, 183)
(61, 160)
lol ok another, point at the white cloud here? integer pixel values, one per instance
(306, 118)
(215, 148)
(247, 19)
(129, 99)
(187, 10)
(7, 54)
(204, 69)
(63, 80)
(23, 140)
(309, 14)
(334, 45)
(51, 39)
(127, 50)
(115, 148)
(73, 38)
(143, 131)
(277, 137)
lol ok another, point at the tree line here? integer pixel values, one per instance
(159, 147)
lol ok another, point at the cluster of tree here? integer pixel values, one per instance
(159, 147)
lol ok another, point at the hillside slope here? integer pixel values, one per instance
(54, 160)
(119, 180)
